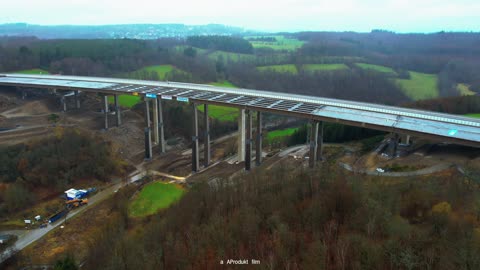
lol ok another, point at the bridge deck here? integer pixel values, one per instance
(444, 127)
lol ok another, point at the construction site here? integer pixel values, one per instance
(38, 115)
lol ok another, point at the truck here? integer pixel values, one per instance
(57, 216)
(75, 203)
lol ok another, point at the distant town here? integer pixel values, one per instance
(132, 31)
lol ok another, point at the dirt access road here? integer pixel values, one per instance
(25, 238)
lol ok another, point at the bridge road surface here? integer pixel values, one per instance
(437, 126)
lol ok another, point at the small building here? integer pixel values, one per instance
(75, 193)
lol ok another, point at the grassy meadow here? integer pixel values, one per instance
(153, 197)
(419, 86)
(287, 68)
(280, 134)
(474, 115)
(464, 90)
(281, 43)
(324, 67)
(32, 71)
(378, 68)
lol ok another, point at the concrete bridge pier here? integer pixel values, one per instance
(248, 141)
(313, 144)
(148, 132)
(395, 145)
(405, 139)
(63, 102)
(105, 110)
(77, 100)
(24, 94)
(258, 148)
(118, 115)
(241, 136)
(195, 160)
(161, 132)
(320, 142)
(156, 138)
(206, 139)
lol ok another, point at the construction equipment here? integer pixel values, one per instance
(76, 203)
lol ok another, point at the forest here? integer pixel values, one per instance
(293, 218)
(54, 163)
(453, 57)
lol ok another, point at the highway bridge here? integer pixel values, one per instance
(435, 126)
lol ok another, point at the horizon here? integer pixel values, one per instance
(408, 16)
(235, 26)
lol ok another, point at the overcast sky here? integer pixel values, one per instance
(270, 15)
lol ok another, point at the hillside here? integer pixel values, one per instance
(311, 219)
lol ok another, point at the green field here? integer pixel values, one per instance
(287, 68)
(224, 84)
(475, 115)
(153, 197)
(215, 55)
(221, 113)
(161, 70)
(32, 71)
(378, 68)
(126, 100)
(464, 90)
(235, 57)
(419, 86)
(281, 43)
(278, 134)
(324, 67)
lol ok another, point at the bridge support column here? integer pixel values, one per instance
(156, 138)
(105, 110)
(63, 101)
(118, 115)
(195, 162)
(148, 131)
(160, 125)
(206, 147)
(313, 144)
(248, 141)
(395, 145)
(405, 139)
(241, 136)
(258, 148)
(77, 100)
(24, 94)
(320, 142)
